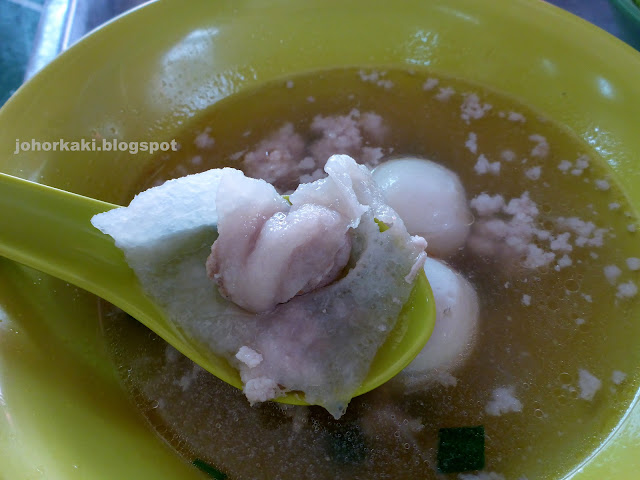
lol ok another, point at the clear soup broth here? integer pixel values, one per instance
(557, 328)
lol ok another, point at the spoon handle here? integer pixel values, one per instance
(50, 230)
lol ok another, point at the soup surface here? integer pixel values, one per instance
(553, 367)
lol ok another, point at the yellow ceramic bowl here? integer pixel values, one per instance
(63, 414)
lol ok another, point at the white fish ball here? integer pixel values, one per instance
(456, 321)
(430, 200)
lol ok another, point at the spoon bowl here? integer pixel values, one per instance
(50, 230)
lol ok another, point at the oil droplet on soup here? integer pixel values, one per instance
(550, 371)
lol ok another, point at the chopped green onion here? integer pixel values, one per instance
(209, 470)
(461, 449)
(346, 445)
(381, 225)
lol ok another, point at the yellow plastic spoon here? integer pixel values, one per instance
(50, 230)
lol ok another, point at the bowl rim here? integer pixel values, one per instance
(615, 54)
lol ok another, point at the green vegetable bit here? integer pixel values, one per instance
(347, 444)
(209, 470)
(461, 449)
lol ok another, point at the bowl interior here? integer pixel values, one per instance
(65, 414)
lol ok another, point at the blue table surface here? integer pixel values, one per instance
(598, 12)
